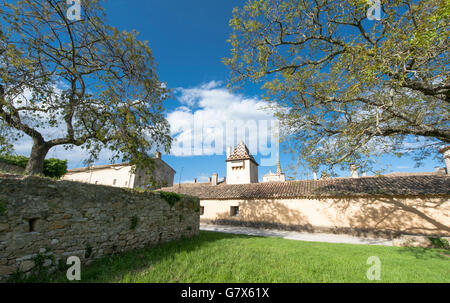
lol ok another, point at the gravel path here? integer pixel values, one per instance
(292, 235)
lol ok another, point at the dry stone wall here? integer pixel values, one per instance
(11, 169)
(48, 221)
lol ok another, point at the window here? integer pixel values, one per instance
(237, 165)
(202, 210)
(234, 211)
(32, 225)
(114, 181)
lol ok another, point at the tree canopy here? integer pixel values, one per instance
(77, 83)
(345, 88)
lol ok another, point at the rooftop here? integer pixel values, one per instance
(241, 152)
(94, 167)
(364, 186)
(118, 166)
(399, 174)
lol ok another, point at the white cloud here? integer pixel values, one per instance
(211, 118)
(189, 96)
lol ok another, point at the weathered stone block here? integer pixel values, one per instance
(57, 225)
(4, 227)
(26, 266)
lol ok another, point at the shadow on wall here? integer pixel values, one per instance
(369, 216)
(266, 214)
(406, 216)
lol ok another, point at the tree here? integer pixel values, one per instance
(345, 88)
(77, 83)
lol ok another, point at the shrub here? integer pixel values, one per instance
(37, 274)
(134, 222)
(20, 161)
(2, 208)
(53, 168)
(88, 251)
(39, 260)
(170, 197)
(440, 243)
(139, 189)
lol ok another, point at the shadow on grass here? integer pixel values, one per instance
(117, 267)
(113, 268)
(426, 253)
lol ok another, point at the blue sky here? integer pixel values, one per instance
(188, 40)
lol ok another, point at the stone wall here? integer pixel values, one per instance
(52, 220)
(12, 169)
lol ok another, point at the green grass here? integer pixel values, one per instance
(219, 257)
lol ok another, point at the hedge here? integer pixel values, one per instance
(53, 168)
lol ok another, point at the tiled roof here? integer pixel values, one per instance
(118, 165)
(365, 186)
(81, 169)
(399, 174)
(241, 152)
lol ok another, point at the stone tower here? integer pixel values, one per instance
(279, 176)
(446, 152)
(241, 166)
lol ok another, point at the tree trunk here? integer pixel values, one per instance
(35, 164)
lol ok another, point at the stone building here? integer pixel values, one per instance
(411, 204)
(241, 166)
(275, 177)
(446, 153)
(125, 175)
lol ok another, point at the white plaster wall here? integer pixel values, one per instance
(106, 176)
(253, 172)
(346, 212)
(249, 174)
(274, 178)
(125, 177)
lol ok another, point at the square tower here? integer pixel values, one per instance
(241, 166)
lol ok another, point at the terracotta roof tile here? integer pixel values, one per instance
(81, 169)
(125, 164)
(384, 185)
(398, 174)
(241, 152)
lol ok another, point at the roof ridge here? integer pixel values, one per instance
(241, 152)
(368, 186)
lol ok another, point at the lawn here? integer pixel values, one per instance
(219, 257)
